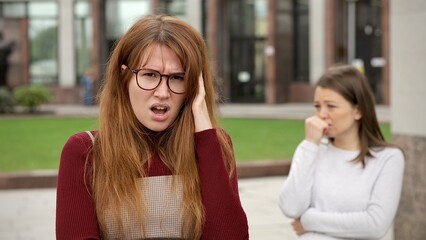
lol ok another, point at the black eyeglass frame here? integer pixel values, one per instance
(136, 71)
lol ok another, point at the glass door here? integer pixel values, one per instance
(359, 39)
(368, 47)
(247, 36)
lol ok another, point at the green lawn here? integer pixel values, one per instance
(36, 143)
(260, 139)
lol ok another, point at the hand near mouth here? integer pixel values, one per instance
(315, 129)
(199, 108)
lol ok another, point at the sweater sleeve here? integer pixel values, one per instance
(75, 211)
(224, 215)
(295, 195)
(376, 219)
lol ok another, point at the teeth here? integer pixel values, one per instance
(160, 108)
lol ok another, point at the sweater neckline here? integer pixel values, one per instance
(343, 150)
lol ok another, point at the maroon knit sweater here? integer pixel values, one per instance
(75, 211)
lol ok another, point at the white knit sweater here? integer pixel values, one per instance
(338, 199)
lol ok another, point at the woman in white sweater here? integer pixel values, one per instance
(345, 180)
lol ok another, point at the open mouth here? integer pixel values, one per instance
(159, 109)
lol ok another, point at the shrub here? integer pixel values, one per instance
(6, 101)
(31, 96)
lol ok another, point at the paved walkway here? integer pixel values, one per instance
(277, 111)
(30, 213)
(259, 197)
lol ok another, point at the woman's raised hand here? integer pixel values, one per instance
(315, 129)
(199, 108)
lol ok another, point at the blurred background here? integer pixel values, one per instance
(264, 53)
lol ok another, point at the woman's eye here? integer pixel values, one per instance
(150, 74)
(177, 78)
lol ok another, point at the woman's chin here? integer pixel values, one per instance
(328, 135)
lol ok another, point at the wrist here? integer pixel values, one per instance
(202, 125)
(313, 140)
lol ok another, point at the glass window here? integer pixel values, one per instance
(301, 40)
(83, 36)
(368, 39)
(247, 42)
(248, 18)
(82, 9)
(173, 7)
(42, 9)
(261, 13)
(13, 10)
(123, 14)
(43, 34)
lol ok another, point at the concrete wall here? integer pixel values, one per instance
(193, 13)
(408, 66)
(408, 98)
(66, 47)
(317, 39)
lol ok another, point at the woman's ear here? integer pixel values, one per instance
(357, 113)
(123, 67)
(358, 117)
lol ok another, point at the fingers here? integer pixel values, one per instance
(199, 108)
(297, 227)
(201, 93)
(201, 89)
(315, 129)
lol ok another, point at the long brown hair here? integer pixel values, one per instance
(353, 86)
(123, 146)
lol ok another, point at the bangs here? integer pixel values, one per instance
(145, 54)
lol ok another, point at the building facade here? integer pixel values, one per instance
(56, 41)
(408, 88)
(264, 51)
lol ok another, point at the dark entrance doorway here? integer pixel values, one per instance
(247, 40)
(369, 43)
(359, 39)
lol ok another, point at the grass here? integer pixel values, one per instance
(36, 143)
(262, 139)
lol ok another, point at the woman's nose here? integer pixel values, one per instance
(162, 90)
(322, 113)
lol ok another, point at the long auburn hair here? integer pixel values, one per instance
(353, 86)
(123, 146)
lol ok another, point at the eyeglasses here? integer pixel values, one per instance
(149, 79)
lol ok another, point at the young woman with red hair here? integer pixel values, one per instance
(159, 166)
